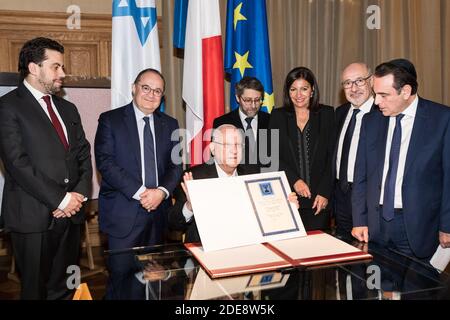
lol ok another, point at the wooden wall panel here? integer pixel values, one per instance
(88, 50)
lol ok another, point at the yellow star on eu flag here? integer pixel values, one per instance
(238, 15)
(242, 62)
(269, 101)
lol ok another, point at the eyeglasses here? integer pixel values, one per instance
(147, 89)
(229, 145)
(359, 82)
(250, 101)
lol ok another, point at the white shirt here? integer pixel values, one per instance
(407, 125)
(254, 122)
(38, 96)
(221, 174)
(140, 125)
(365, 108)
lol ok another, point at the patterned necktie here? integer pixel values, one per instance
(56, 124)
(391, 177)
(149, 156)
(343, 168)
(249, 124)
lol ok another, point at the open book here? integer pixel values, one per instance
(316, 248)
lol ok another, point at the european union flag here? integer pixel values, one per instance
(179, 23)
(247, 50)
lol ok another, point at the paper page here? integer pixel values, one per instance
(227, 261)
(316, 245)
(226, 217)
(441, 258)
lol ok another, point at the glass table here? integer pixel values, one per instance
(170, 272)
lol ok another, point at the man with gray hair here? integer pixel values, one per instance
(226, 147)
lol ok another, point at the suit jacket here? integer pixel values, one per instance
(321, 149)
(118, 158)
(340, 115)
(39, 170)
(263, 124)
(177, 220)
(426, 179)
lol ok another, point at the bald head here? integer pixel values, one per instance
(226, 147)
(357, 83)
(360, 67)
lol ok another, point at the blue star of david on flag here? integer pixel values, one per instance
(144, 18)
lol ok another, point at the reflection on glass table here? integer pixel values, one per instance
(171, 272)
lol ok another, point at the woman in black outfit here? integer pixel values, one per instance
(306, 138)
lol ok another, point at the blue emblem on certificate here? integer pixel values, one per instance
(266, 279)
(266, 189)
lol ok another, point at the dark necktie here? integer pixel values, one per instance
(343, 179)
(249, 125)
(149, 156)
(391, 177)
(56, 124)
(250, 142)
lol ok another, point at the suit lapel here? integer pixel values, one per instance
(381, 144)
(236, 119)
(211, 171)
(159, 125)
(291, 124)
(131, 125)
(418, 133)
(36, 108)
(340, 120)
(263, 124)
(314, 122)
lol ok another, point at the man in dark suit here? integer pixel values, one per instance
(402, 172)
(133, 149)
(357, 85)
(226, 148)
(249, 118)
(48, 172)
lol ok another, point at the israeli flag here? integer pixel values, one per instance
(135, 45)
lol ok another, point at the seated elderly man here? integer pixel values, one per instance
(226, 148)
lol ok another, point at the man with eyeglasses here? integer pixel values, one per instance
(226, 149)
(357, 86)
(249, 118)
(133, 147)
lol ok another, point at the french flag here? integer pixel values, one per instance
(203, 75)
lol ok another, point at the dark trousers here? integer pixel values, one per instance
(43, 258)
(393, 233)
(343, 210)
(122, 266)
